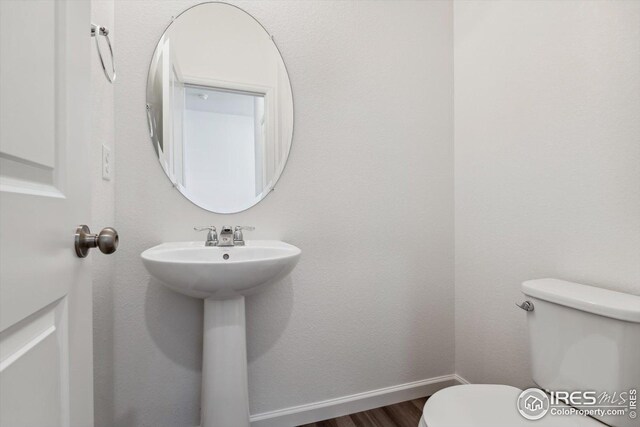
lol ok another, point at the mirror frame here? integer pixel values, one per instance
(151, 130)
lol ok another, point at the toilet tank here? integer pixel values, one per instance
(584, 338)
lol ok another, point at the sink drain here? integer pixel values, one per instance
(225, 256)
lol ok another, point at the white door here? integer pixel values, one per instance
(45, 289)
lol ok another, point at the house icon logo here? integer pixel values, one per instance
(533, 404)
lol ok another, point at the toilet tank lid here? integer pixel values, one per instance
(591, 299)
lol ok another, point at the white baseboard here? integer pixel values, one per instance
(460, 379)
(345, 405)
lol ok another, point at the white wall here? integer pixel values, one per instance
(103, 215)
(255, 59)
(547, 164)
(367, 195)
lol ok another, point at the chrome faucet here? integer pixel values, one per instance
(212, 235)
(226, 236)
(238, 238)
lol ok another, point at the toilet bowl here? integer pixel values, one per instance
(488, 405)
(581, 338)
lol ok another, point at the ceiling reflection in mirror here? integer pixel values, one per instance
(219, 107)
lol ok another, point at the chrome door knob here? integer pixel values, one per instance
(107, 240)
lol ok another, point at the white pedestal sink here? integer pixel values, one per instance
(222, 276)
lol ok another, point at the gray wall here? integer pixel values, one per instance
(367, 195)
(547, 164)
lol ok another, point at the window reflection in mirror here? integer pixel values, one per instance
(222, 124)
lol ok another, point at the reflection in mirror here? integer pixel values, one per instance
(219, 107)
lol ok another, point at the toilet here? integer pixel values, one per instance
(581, 338)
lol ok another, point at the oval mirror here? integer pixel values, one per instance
(219, 107)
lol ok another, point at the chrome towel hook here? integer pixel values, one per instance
(104, 31)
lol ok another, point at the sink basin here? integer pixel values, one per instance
(222, 276)
(217, 271)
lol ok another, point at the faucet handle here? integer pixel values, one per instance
(212, 235)
(238, 238)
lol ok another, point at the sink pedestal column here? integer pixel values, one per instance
(225, 394)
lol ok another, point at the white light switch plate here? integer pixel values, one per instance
(107, 165)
